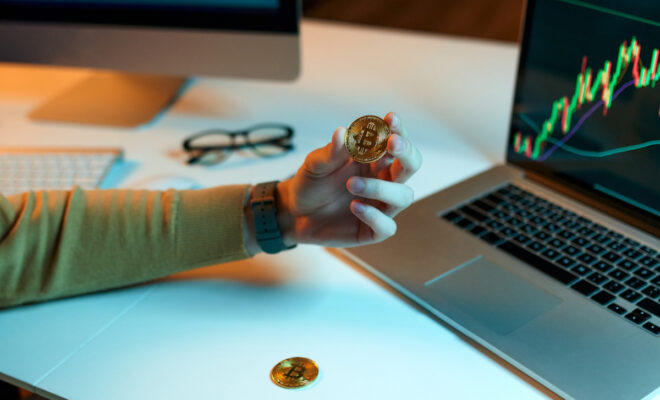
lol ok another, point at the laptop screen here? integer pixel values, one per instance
(587, 101)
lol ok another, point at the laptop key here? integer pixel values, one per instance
(648, 261)
(522, 239)
(566, 262)
(617, 308)
(603, 297)
(483, 206)
(619, 274)
(638, 316)
(630, 295)
(627, 265)
(611, 257)
(602, 266)
(656, 281)
(597, 278)
(651, 306)
(596, 249)
(551, 254)
(451, 216)
(539, 263)
(542, 236)
(635, 283)
(586, 258)
(632, 254)
(478, 230)
(652, 291)
(585, 288)
(491, 238)
(474, 214)
(464, 223)
(580, 241)
(648, 250)
(644, 273)
(571, 250)
(581, 269)
(614, 286)
(617, 246)
(653, 328)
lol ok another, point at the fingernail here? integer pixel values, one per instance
(357, 185)
(358, 207)
(395, 121)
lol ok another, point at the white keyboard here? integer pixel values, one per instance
(26, 169)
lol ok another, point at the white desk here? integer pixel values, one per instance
(216, 332)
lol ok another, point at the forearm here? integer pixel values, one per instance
(56, 244)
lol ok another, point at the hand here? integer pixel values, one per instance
(335, 201)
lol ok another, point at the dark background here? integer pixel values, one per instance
(489, 19)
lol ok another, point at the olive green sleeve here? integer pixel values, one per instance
(63, 243)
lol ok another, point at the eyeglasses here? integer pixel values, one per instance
(265, 140)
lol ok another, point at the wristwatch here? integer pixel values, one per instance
(264, 210)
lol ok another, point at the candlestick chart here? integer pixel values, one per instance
(596, 91)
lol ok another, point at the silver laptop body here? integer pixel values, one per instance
(527, 313)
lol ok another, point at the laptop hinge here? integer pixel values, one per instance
(596, 203)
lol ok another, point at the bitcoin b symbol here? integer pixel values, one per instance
(296, 372)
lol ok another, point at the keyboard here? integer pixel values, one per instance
(605, 266)
(27, 169)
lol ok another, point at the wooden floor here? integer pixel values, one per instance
(491, 19)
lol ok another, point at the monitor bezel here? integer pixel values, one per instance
(283, 19)
(565, 183)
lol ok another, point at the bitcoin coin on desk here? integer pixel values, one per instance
(366, 139)
(295, 372)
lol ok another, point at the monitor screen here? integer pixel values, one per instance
(587, 102)
(256, 15)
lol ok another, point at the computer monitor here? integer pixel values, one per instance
(155, 44)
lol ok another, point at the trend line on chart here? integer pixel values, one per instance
(586, 91)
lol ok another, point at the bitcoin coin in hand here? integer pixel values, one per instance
(366, 139)
(294, 372)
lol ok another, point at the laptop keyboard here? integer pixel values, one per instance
(611, 269)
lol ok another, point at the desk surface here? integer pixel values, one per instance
(217, 331)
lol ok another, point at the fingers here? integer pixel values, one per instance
(329, 158)
(396, 195)
(408, 158)
(381, 225)
(395, 124)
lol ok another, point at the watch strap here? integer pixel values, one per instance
(264, 209)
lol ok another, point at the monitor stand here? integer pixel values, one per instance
(112, 99)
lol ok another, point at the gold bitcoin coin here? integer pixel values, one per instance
(366, 139)
(294, 372)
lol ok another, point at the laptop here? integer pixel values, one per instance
(552, 261)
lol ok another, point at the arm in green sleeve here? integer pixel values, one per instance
(57, 244)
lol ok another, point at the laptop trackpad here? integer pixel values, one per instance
(491, 296)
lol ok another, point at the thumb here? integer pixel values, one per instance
(328, 158)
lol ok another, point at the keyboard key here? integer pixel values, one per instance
(478, 230)
(539, 263)
(571, 250)
(602, 266)
(648, 261)
(645, 273)
(630, 295)
(617, 308)
(585, 231)
(597, 278)
(611, 257)
(581, 269)
(552, 228)
(615, 235)
(522, 239)
(566, 262)
(485, 207)
(538, 221)
(580, 241)
(601, 238)
(585, 288)
(614, 286)
(619, 274)
(656, 281)
(635, 283)
(495, 199)
(652, 291)
(491, 238)
(631, 242)
(566, 234)
(596, 249)
(651, 306)
(528, 229)
(451, 216)
(495, 225)
(551, 254)
(617, 246)
(508, 232)
(542, 236)
(536, 246)
(638, 316)
(597, 227)
(632, 254)
(651, 327)
(648, 250)
(474, 214)
(586, 258)
(464, 223)
(557, 243)
(603, 297)
(515, 222)
(627, 265)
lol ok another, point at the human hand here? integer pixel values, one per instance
(335, 201)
